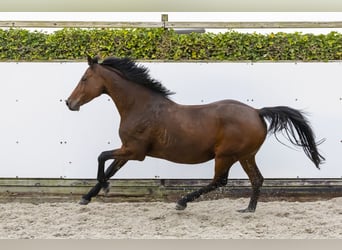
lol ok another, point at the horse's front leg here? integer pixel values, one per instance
(103, 157)
(102, 176)
(135, 151)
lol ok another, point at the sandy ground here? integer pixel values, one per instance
(216, 219)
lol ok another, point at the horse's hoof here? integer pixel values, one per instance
(83, 202)
(246, 210)
(180, 206)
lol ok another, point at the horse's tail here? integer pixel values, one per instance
(290, 120)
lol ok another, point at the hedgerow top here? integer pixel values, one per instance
(161, 44)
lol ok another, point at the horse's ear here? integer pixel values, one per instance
(93, 60)
(90, 60)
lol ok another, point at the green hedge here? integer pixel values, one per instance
(149, 44)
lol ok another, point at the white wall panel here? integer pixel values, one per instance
(40, 137)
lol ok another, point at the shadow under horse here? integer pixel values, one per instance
(153, 125)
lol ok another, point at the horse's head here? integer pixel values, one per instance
(89, 87)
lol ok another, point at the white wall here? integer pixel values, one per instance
(40, 137)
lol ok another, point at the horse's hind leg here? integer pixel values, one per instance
(256, 179)
(222, 167)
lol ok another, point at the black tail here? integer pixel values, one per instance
(291, 120)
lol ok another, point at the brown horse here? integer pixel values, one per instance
(153, 125)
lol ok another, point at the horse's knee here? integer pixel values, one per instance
(102, 157)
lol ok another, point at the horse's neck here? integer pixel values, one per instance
(130, 97)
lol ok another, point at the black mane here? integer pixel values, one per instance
(136, 73)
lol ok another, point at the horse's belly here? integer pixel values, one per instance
(186, 154)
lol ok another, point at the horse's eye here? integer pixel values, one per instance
(84, 78)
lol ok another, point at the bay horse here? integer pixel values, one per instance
(153, 125)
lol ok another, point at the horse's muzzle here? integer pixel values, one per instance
(73, 106)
